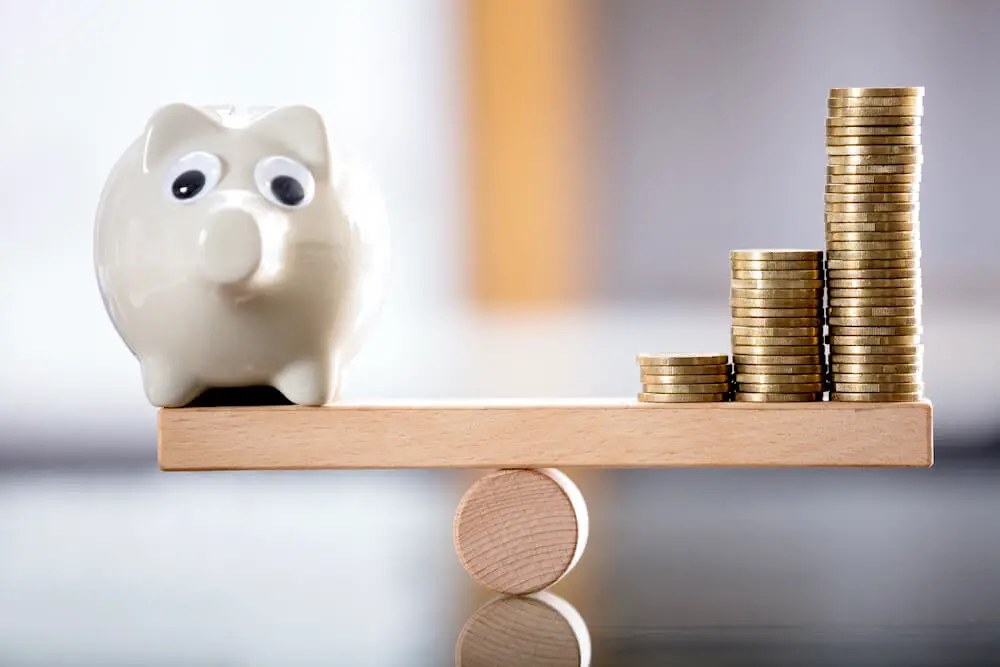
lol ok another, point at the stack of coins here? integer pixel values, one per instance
(873, 243)
(684, 378)
(777, 326)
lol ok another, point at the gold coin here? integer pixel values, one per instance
(685, 371)
(779, 378)
(776, 398)
(911, 210)
(913, 120)
(840, 340)
(714, 388)
(874, 312)
(869, 322)
(871, 264)
(684, 379)
(874, 254)
(783, 370)
(903, 330)
(765, 331)
(873, 169)
(881, 237)
(877, 92)
(775, 265)
(876, 359)
(880, 378)
(776, 293)
(872, 188)
(814, 303)
(869, 369)
(777, 323)
(801, 274)
(873, 131)
(904, 244)
(737, 283)
(747, 360)
(887, 113)
(776, 313)
(646, 397)
(782, 388)
(883, 350)
(776, 350)
(695, 359)
(873, 292)
(835, 101)
(882, 140)
(742, 341)
(872, 358)
(874, 159)
(870, 207)
(901, 219)
(912, 236)
(866, 230)
(880, 387)
(909, 178)
(776, 255)
(838, 285)
(871, 197)
(872, 302)
(876, 398)
(870, 361)
(872, 149)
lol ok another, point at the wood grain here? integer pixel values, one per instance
(546, 434)
(520, 531)
(540, 630)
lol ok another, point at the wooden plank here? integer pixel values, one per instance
(542, 434)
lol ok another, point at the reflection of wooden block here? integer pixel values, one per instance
(551, 433)
(521, 531)
(540, 630)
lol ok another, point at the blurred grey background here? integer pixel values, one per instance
(708, 136)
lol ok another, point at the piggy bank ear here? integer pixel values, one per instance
(301, 129)
(172, 124)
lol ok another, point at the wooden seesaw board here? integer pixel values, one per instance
(600, 433)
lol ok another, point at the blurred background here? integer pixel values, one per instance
(565, 179)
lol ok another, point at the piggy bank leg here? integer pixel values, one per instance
(167, 386)
(309, 381)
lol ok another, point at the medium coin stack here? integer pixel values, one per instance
(684, 378)
(776, 298)
(873, 243)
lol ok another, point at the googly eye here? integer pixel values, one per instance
(284, 182)
(193, 176)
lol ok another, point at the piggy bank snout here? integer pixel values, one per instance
(230, 248)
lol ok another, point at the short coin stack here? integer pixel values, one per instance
(684, 378)
(873, 243)
(777, 325)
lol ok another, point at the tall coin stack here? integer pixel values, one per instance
(776, 298)
(684, 378)
(873, 244)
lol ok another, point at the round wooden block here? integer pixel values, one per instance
(540, 630)
(520, 531)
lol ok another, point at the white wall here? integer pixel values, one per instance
(78, 81)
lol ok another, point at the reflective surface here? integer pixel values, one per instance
(132, 566)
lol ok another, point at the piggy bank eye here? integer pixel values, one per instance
(284, 182)
(192, 176)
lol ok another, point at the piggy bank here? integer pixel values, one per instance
(239, 252)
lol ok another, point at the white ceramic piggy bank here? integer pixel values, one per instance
(239, 254)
